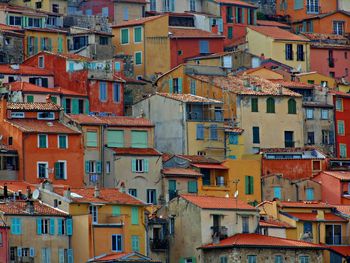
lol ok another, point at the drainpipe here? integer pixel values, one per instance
(102, 182)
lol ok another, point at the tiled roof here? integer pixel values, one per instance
(305, 204)
(313, 217)
(24, 70)
(341, 175)
(293, 84)
(271, 23)
(136, 151)
(252, 70)
(274, 223)
(198, 158)
(7, 149)
(343, 250)
(278, 33)
(25, 10)
(324, 37)
(340, 93)
(183, 32)
(136, 22)
(70, 92)
(107, 196)
(11, 28)
(69, 56)
(133, 1)
(210, 202)
(235, 2)
(47, 30)
(28, 87)
(15, 186)
(248, 85)
(123, 257)
(262, 241)
(111, 120)
(210, 166)
(189, 98)
(344, 209)
(33, 106)
(288, 149)
(19, 208)
(181, 172)
(234, 130)
(40, 126)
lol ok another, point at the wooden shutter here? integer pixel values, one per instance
(134, 215)
(38, 226)
(133, 165)
(69, 224)
(171, 88)
(146, 166)
(180, 85)
(59, 226)
(52, 226)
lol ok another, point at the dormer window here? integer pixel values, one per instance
(46, 115)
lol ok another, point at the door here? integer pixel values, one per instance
(288, 139)
(172, 189)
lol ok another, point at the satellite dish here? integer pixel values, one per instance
(236, 194)
(36, 194)
(1, 137)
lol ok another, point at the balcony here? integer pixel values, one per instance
(159, 244)
(110, 220)
(289, 144)
(219, 232)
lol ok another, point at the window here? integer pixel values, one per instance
(341, 127)
(192, 5)
(139, 165)
(312, 6)
(16, 226)
(324, 114)
(325, 137)
(249, 185)
(188, 260)
(133, 192)
(229, 16)
(151, 196)
(333, 235)
(103, 41)
(61, 170)
(153, 5)
(332, 73)
(339, 104)
(15, 21)
(138, 58)
(223, 259)
(139, 139)
(254, 104)
(204, 46)
(55, 8)
(309, 192)
(309, 114)
(256, 135)
(62, 141)
(252, 259)
(338, 27)
(233, 138)
(43, 226)
(342, 150)
(288, 139)
(125, 14)
(117, 241)
(46, 115)
(93, 211)
(13, 253)
(41, 62)
(46, 255)
(137, 34)
(200, 132)
(116, 92)
(230, 32)
(17, 115)
(277, 192)
(103, 91)
(135, 215)
(124, 36)
(245, 224)
(61, 228)
(192, 187)
(213, 132)
(304, 259)
(289, 51)
(300, 53)
(42, 169)
(42, 141)
(310, 138)
(292, 106)
(193, 86)
(307, 227)
(115, 138)
(135, 243)
(278, 259)
(91, 139)
(117, 67)
(270, 105)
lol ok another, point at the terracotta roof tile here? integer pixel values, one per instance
(257, 240)
(210, 202)
(341, 175)
(278, 33)
(234, 130)
(24, 70)
(135, 22)
(293, 84)
(69, 56)
(111, 120)
(40, 126)
(340, 93)
(28, 87)
(288, 149)
(198, 158)
(136, 151)
(210, 166)
(271, 23)
(343, 250)
(274, 223)
(33, 106)
(235, 2)
(345, 209)
(11, 28)
(305, 204)
(107, 196)
(313, 217)
(183, 32)
(181, 172)
(15, 186)
(188, 98)
(19, 208)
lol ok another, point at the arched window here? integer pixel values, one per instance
(270, 105)
(292, 106)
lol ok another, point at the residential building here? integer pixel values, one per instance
(196, 129)
(47, 148)
(56, 6)
(4, 249)
(234, 140)
(273, 227)
(9, 164)
(105, 220)
(316, 78)
(255, 248)
(314, 222)
(281, 45)
(329, 55)
(206, 219)
(82, 75)
(124, 257)
(116, 11)
(263, 72)
(11, 45)
(287, 173)
(194, 174)
(37, 232)
(273, 24)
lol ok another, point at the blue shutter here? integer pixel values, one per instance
(277, 192)
(125, 13)
(87, 166)
(61, 255)
(248, 16)
(180, 85)
(87, 106)
(69, 224)
(133, 165)
(32, 252)
(220, 25)
(59, 226)
(243, 13)
(19, 251)
(52, 226)
(172, 5)
(117, 66)
(38, 226)
(204, 46)
(146, 168)
(200, 132)
(171, 89)
(98, 167)
(64, 104)
(304, 26)
(70, 256)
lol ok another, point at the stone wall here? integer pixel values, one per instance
(11, 49)
(98, 23)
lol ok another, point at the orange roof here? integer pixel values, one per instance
(10, 28)
(340, 93)
(107, 196)
(198, 158)
(293, 84)
(70, 56)
(40, 126)
(313, 217)
(136, 151)
(211, 202)
(19, 208)
(15, 186)
(188, 98)
(235, 2)
(24, 70)
(182, 32)
(28, 87)
(343, 250)
(278, 33)
(136, 22)
(121, 121)
(180, 172)
(341, 175)
(262, 241)
(345, 209)
(33, 106)
(271, 23)
(305, 204)
(274, 223)
(210, 166)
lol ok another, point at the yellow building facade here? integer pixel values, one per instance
(317, 79)
(53, 6)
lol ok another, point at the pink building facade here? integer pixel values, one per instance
(4, 244)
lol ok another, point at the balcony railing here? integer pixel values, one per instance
(289, 144)
(159, 244)
(219, 232)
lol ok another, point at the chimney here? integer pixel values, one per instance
(5, 192)
(97, 192)
(30, 207)
(320, 215)
(67, 193)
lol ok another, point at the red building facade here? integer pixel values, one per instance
(4, 245)
(341, 101)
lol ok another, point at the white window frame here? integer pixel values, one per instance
(92, 164)
(65, 168)
(108, 167)
(17, 115)
(141, 34)
(58, 141)
(46, 169)
(93, 211)
(323, 111)
(45, 221)
(135, 58)
(48, 118)
(121, 36)
(140, 162)
(47, 141)
(42, 60)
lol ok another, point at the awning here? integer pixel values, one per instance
(210, 166)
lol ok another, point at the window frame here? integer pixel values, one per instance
(64, 177)
(46, 141)
(135, 54)
(46, 169)
(50, 117)
(121, 36)
(141, 35)
(322, 114)
(59, 141)
(118, 249)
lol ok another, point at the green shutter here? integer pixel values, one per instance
(254, 104)
(52, 226)
(251, 184)
(87, 106)
(49, 44)
(243, 13)
(192, 187)
(171, 88)
(246, 180)
(30, 98)
(28, 46)
(75, 106)
(138, 34)
(57, 170)
(133, 165)
(180, 85)
(125, 36)
(146, 166)
(54, 100)
(60, 45)
(42, 43)
(87, 166)
(64, 104)
(248, 16)
(115, 138)
(135, 243)
(138, 58)
(36, 46)
(139, 139)
(135, 215)
(91, 139)
(229, 32)
(116, 210)
(236, 14)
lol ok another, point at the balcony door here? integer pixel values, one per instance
(333, 234)
(289, 138)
